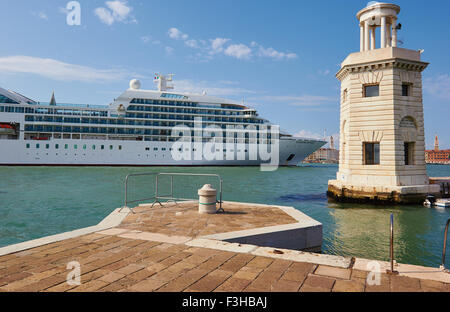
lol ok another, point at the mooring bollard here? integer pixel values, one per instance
(207, 199)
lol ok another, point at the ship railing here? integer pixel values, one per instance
(170, 187)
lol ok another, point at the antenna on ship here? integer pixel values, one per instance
(162, 80)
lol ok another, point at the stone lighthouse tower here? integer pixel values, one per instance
(382, 148)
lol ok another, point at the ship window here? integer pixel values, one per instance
(120, 147)
(290, 157)
(57, 146)
(93, 147)
(102, 147)
(28, 145)
(38, 146)
(84, 146)
(66, 146)
(147, 148)
(110, 147)
(371, 153)
(4, 99)
(75, 146)
(155, 148)
(371, 90)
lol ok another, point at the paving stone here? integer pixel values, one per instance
(90, 286)
(432, 286)
(111, 277)
(404, 284)
(249, 273)
(233, 285)
(333, 272)
(147, 285)
(260, 262)
(348, 286)
(131, 268)
(315, 283)
(285, 286)
(184, 281)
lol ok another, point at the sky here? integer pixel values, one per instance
(279, 57)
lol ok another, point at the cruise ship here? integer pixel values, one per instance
(137, 129)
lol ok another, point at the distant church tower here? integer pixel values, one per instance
(382, 148)
(436, 144)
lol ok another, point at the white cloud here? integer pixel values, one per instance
(306, 100)
(104, 15)
(57, 70)
(40, 14)
(192, 43)
(224, 46)
(438, 86)
(217, 45)
(117, 11)
(169, 50)
(212, 88)
(146, 39)
(274, 54)
(175, 33)
(239, 51)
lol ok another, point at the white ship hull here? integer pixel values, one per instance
(132, 153)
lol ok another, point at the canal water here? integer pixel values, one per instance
(40, 201)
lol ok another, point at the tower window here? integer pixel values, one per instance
(371, 153)
(371, 90)
(409, 153)
(406, 89)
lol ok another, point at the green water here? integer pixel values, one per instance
(40, 201)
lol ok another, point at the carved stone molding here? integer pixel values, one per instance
(409, 76)
(371, 77)
(370, 136)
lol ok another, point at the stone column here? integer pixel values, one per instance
(394, 32)
(388, 36)
(372, 38)
(383, 32)
(361, 38)
(366, 36)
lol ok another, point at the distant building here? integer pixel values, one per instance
(324, 155)
(437, 156)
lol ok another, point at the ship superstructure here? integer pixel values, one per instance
(136, 129)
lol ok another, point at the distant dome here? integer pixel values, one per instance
(135, 84)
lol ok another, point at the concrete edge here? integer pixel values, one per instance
(303, 221)
(112, 220)
(408, 270)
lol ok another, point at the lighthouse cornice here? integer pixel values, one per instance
(381, 59)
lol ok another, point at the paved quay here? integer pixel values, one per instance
(167, 249)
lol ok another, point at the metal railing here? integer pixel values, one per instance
(392, 271)
(445, 246)
(157, 197)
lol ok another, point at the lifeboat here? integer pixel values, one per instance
(7, 129)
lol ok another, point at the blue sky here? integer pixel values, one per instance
(279, 56)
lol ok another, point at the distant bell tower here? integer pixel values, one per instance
(436, 144)
(382, 147)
